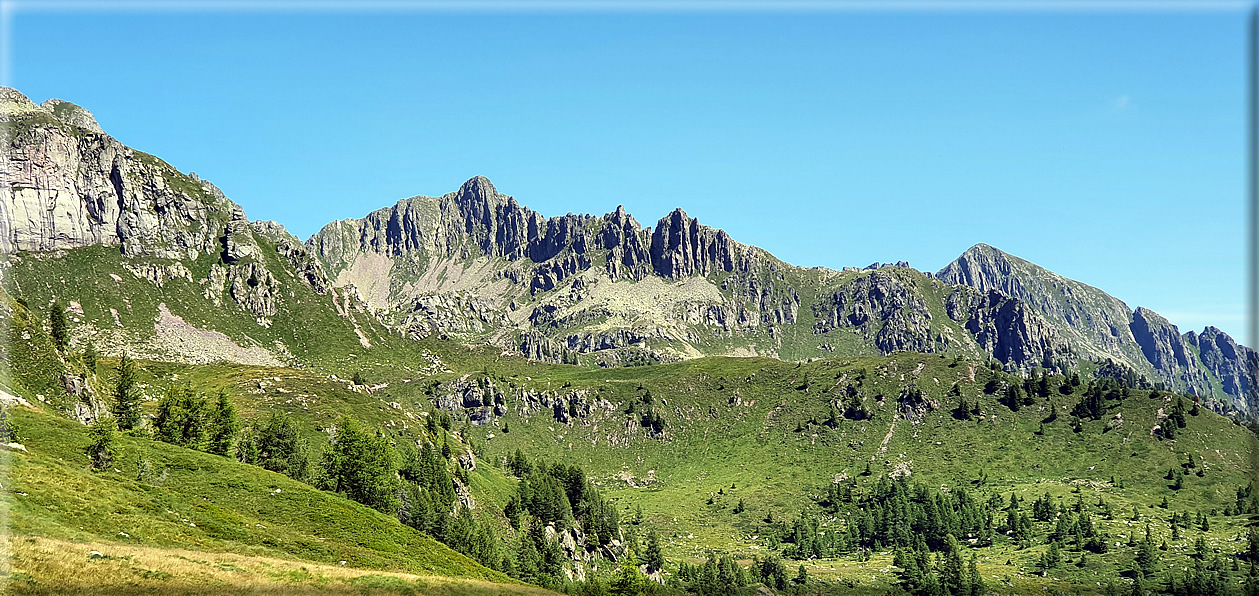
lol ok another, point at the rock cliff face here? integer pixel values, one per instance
(1164, 348)
(1235, 365)
(1008, 328)
(65, 184)
(1095, 322)
(424, 254)
(883, 308)
(477, 266)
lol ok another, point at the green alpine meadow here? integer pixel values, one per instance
(460, 395)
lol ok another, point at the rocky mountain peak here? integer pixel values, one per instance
(72, 114)
(14, 104)
(681, 247)
(478, 191)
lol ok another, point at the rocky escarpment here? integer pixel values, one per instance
(882, 306)
(1096, 325)
(66, 187)
(1235, 365)
(680, 247)
(304, 264)
(1008, 329)
(1164, 348)
(478, 221)
(477, 266)
(65, 184)
(419, 262)
(72, 114)
(484, 400)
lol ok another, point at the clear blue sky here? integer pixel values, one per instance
(1108, 147)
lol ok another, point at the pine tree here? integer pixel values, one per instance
(362, 466)
(103, 449)
(127, 395)
(181, 417)
(223, 426)
(655, 558)
(89, 357)
(57, 321)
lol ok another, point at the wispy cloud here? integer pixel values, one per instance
(1122, 102)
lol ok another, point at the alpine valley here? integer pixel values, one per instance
(457, 394)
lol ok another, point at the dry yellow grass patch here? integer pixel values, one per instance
(37, 565)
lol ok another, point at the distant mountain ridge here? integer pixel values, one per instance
(476, 266)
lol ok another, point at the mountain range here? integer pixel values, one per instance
(476, 266)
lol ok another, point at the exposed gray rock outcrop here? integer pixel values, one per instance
(1235, 365)
(681, 247)
(305, 265)
(254, 288)
(1162, 345)
(1006, 328)
(1096, 323)
(72, 114)
(880, 307)
(68, 185)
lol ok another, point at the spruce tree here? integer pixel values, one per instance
(977, 586)
(223, 426)
(57, 322)
(89, 357)
(953, 573)
(127, 395)
(103, 449)
(655, 558)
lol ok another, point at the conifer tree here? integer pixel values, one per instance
(953, 573)
(57, 323)
(977, 586)
(102, 450)
(89, 357)
(181, 417)
(223, 426)
(277, 445)
(9, 430)
(126, 395)
(362, 466)
(655, 558)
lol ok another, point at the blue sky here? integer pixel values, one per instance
(1106, 146)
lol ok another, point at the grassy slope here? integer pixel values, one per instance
(714, 445)
(205, 503)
